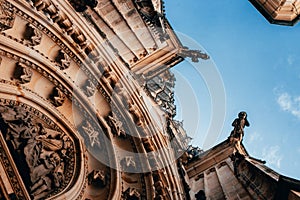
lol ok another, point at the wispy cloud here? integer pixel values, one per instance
(289, 104)
(254, 137)
(291, 59)
(272, 155)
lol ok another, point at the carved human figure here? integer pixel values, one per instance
(63, 60)
(136, 113)
(57, 97)
(89, 88)
(33, 35)
(23, 73)
(239, 125)
(46, 167)
(41, 187)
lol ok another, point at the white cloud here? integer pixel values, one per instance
(272, 155)
(289, 104)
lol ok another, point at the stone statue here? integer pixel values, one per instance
(236, 136)
(239, 124)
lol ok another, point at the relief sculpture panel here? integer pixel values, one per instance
(43, 154)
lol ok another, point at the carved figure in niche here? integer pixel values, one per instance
(63, 60)
(97, 177)
(91, 133)
(136, 114)
(89, 88)
(131, 194)
(238, 132)
(7, 16)
(33, 35)
(57, 97)
(116, 126)
(23, 73)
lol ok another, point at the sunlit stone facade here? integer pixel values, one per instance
(87, 109)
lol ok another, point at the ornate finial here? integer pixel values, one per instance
(193, 54)
(239, 124)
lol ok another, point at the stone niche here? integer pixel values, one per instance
(43, 153)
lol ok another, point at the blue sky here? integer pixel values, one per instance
(259, 64)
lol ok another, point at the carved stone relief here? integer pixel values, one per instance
(57, 97)
(43, 154)
(63, 60)
(22, 73)
(7, 16)
(89, 88)
(136, 113)
(32, 35)
(159, 185)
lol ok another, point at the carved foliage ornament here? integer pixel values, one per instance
(7, 16)
(43, 154)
